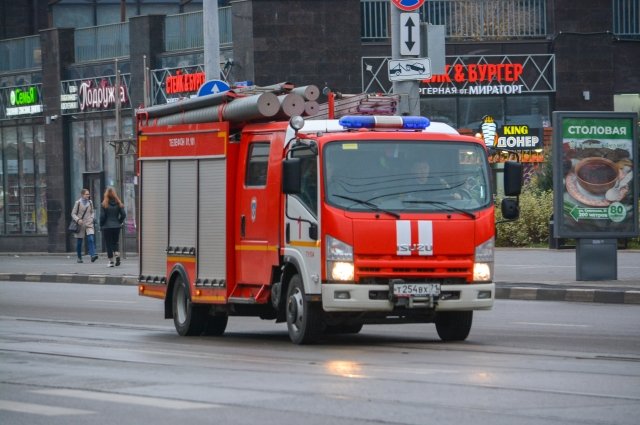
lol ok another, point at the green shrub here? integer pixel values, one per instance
(532, 228)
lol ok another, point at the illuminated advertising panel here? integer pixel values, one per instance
(595, 175)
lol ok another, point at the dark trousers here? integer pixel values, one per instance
(111, 238)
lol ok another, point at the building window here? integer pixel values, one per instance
(626, 18)
(22, 181)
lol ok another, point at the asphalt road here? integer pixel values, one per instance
(79, 354)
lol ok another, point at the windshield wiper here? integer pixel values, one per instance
(371, 205)
(444, 205)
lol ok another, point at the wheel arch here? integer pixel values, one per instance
(177, 271)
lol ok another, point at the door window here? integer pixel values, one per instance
(257, 164)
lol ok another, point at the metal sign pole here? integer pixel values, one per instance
(407, 90)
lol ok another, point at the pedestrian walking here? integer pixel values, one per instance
(111, 218)
(83, 213)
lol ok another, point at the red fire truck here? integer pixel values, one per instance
(325, 224)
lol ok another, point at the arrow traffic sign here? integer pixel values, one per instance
(213, 87)
(410, 34)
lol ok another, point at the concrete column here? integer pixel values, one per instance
(146, 38)
(57, 53)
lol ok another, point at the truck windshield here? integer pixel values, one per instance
(406, 176)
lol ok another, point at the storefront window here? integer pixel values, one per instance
(77, 157)
(530, 110)
(472, 109)
(94, 145)
(22, 196)
(41, 182)
(109, 130)
(3, 210)
(27, 180)
(12, 184)
(441, 109)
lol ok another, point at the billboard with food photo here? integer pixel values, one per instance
(595, 175)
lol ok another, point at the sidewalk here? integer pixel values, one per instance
(525, 274)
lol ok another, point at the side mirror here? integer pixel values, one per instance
(510, 209)
(313, 232)
(291, 176)
(512, 178)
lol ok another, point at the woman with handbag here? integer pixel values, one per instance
(112, 216)
(83, 214)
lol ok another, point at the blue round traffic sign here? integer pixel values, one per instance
(212, 87)
(408, 5)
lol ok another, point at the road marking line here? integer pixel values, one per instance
(128, 399)
(38, 409)
(112, 301)
(566, 325)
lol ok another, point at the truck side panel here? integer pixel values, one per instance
(154, 220)
(212, 216)
(183, 204)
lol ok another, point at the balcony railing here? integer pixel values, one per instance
(185, 31)
(102, 42)
(464, 19)
(626, 18)
(20, 53)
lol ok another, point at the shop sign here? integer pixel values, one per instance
(93, 95)
(184, 83)
(597, 162)
(492, 75)
(172, 84)
(20, 101)
(512, 141)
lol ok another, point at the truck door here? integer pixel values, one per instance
(257, 197)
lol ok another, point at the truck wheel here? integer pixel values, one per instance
(454, 325)
(188, 318)
(304, 319)
(216, 325)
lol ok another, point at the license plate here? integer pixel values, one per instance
(416, 289)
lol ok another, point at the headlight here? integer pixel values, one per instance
(339, 256)
(483, 262)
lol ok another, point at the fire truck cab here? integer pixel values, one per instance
(325, 224)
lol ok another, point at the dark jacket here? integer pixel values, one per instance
(112, 217)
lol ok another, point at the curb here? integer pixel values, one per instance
(70, 278)
(527, 293)
(570, 294)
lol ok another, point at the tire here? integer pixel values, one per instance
(216, 325)
(304, 319)
(454, 325)
(189, 319)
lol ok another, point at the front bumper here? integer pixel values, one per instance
(363, 298)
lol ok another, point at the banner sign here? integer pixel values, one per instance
(473, 75)
(172, 84)
(94, 94)
(493, 75)
(20, 102)
(595, 158)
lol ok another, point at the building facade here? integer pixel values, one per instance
(73, 73)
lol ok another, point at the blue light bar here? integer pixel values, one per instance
(374, 121)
